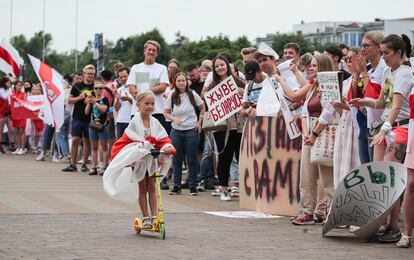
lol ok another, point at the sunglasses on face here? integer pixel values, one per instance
(99, 88)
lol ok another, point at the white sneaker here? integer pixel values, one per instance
(16, 151)
(225, 196)
(21, 152)
(234, 191)
(216, 191)
(41, 156)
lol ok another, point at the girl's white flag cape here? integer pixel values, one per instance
(133, 159)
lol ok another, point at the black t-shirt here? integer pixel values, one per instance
(79, 107)
(197, 87)
(97, 114)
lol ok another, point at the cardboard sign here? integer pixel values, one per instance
(267, 103)
(329, 86)
(365, 197)
(269, 166)
(291, 124)
(223, 100)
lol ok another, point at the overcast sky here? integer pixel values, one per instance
(195, 19)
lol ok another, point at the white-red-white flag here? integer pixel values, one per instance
(53, 91)
(10, 60)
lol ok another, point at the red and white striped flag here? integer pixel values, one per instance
(53, 90)
(10, 60)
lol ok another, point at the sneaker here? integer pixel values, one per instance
(21, 152)
(153, 220)
(84, 168)
(41, 156)
(390, 236)
(405, 242)
(175, 191)
(16, 152)
(225, 196)
(70, 168)
(216, 191)
(193, 192)
(146, 223)
(200, 187)
(234, 191)
(93, 171)
(101, 171)
(164, 185)
(304, 219)
(318, 218)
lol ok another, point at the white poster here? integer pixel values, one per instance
(365, 196)
(223, 100)
(291, 125)
(268, 103)
(287, 74)
(329, 86)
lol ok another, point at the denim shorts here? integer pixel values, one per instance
(96, 135)
(80, 128)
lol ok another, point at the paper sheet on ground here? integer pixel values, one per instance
(241, 214)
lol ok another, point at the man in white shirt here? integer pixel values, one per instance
(149, 75)
(123, 102)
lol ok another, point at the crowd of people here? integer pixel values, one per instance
(373, 118)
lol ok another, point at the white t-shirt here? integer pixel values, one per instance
(4, 94)
(399, 81)
(375, 76)
(125, 109)
(255, 91)
(145, 76)
(185, 111)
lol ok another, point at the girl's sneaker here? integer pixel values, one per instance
(146, 223)
(225, 196)
(175, 191)
(234, 191)
(405, 242)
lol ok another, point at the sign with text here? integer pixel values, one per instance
(365, 197)
(330, 87)
(223, 100)
(269, 167)
(267, 103)
(291, 124)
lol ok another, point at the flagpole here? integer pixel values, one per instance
(11, 20)
(76, 36)
(43, 34)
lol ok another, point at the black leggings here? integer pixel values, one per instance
(226, 157)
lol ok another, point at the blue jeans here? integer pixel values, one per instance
(62, 139)
(234, 170)
(47, 137)
(365, 151)
(185, 143)
(206, 164)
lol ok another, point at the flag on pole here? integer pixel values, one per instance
(10, 60)
(53, 91)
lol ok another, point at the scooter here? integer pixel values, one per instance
(158, 226)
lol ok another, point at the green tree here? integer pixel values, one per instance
(281, 39)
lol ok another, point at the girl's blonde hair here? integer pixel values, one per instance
(143, 95)
(324, 63)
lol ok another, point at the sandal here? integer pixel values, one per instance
(405, 242)
(93, 171)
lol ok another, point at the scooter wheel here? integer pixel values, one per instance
(138, 225)
(162, 231)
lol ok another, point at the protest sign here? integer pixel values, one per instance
(365, 197)
(330, 88)
(291, 124)
(287, 74)
(267, 103)
(269, 166)
(223, 100)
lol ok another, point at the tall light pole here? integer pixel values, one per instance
(43, 34)
(76, 36)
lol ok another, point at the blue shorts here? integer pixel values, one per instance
(96, 136)
(80, 128)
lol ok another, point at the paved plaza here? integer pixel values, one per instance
(49, 214)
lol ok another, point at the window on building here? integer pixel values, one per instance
(353, 40)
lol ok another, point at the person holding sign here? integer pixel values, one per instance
(227, 145)
(391, 140)
(314, 119)
(180, 108)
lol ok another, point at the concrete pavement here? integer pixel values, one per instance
(48, 214)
